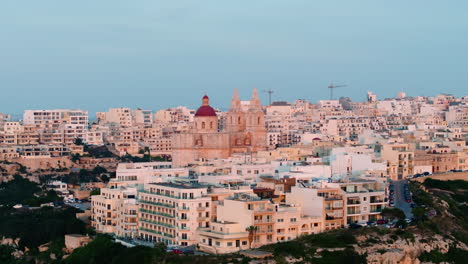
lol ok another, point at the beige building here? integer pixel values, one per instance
(172, 213)
(400, 160)
(114, 211)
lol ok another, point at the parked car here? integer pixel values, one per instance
(177, 251)
(188, 251)
(354, 226)
(371, 223)
(380, 222)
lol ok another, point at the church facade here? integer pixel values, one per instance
(244, 132)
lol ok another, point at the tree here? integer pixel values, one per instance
(105, 178)
(78, 142)
(252, 231)
(75, 157)
(419, 213)
(99, 170)
(393, 213)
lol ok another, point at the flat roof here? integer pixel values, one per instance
(181, 186)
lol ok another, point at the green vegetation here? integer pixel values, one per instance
(393, 213)
(449, 200)
(104, 251)
(454, 255)
(145, 158)
(36, 227)
(306, 247)
(22, 191)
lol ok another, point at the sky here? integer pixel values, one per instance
(156, 54)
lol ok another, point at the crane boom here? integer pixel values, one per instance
(332, 87)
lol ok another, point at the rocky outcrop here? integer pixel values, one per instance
(10, 241)
(403, 251)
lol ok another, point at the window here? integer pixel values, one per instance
(244, 243)
(229, 244)
(293, 219)
(203, 125)
(280, 220)
(217, 243)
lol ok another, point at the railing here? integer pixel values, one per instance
(354, 202)
(354, 212)
(162, 194)
(156, 203)
(156, 223)
(156, 213)
(183, 208)
(263, 221)
(183, 228)
(182, 219)
(156, 232)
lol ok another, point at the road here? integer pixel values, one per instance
(400, 201)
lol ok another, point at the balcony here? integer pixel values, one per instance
(156, 232)
(156, 223)
(354, 202)
(156, 213)
(353, 212)
(377, 201)
(201, 208)
(183, 208)
(157, 204)
(183, 219)
(161, 194)
(263, 221)
(183, 228)
(202, 218)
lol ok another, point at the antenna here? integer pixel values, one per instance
(269, 92)
(331, 87)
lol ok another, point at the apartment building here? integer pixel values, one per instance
(51, 119)
(400, 160)
(114, 211)
(171, 213)
(147, 172)
(142, 117)
(364, 200)
(121, 116)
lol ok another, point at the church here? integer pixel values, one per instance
(244, 132)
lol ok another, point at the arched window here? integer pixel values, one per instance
(238, 120)
(211, 124)
(258, 120)
(203, 125)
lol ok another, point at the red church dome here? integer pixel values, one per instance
(205, 109)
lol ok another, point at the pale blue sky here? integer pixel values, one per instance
(96, 54)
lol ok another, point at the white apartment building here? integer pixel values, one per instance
(52, 118)
(148, 172)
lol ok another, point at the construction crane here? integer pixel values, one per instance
(269, 92)
(331, 87)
